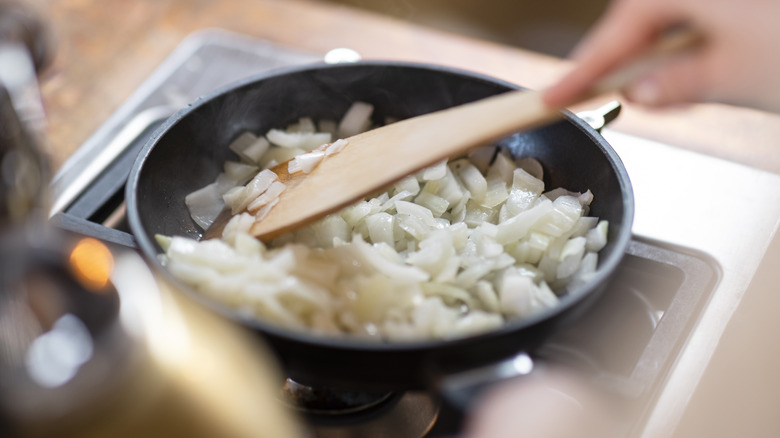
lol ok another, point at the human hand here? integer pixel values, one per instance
(737, 64)
(554, 403)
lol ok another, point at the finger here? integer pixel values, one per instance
(626, 30)
(535, 405)
(684, 79)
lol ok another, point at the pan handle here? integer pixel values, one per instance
(83, 227)
(96, 196)
(130, 134)
(460, 390)
(601, 116)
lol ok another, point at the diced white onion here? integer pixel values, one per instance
(336, 146)
(456, 249)
(270, 195)
(356, 120)
(305, 162)
(205, 205)
(472, 178)
(597, 237)
(437, 171)
(532, 166)
(298, 140)
(249, 147)
(238, 199)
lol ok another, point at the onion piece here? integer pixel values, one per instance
(380, 228)
(356, 120)
(597, 237)
(298, 140)
(305, 162)
(418, 211)
(472, 178)
(408, 184)
(304, 125)
(436, 204)
(336, 147)
(532, 166)
(249, 147)
(516, 294)
(270, 195)
(239, 173)
(239, 198)
(205, 205)
(400, 272)
(570, 257)
(517, 227)
(437, 171)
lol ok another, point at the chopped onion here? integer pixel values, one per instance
(597, 237)
(472, 178)
(304, 125)
(356, 120)
(298, 140)
(437, 171)
(435, 204)
(205, 205)
(270, 195)
(380, 228)
(240, 197)
(336, 146)
(239, 173)
(532, 166)
(305, 162)
(249, 147)
(456, 249)
(408, 184)
(515, 228)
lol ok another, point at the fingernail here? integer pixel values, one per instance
(646, 92)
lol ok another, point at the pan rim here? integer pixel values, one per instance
(606, 266)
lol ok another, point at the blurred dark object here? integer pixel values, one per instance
(91, 344)
(23, 170)
(25, 49)
(18, 22)
(60, 339)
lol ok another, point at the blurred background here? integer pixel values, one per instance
(551, 27)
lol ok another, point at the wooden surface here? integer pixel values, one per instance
(107, 48)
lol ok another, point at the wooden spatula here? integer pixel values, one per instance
(377, 158)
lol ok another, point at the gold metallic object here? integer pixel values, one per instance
(136, 359)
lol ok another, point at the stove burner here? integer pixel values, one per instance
(337, 413)
(330, 401)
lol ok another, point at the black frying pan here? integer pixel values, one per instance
(188, 150)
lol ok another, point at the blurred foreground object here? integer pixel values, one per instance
(24, 50)
(557, 402)
(92, 342)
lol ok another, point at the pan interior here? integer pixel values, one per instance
(188, 151)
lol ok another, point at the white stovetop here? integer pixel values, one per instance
(728, 211)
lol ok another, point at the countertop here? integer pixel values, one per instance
(104, 50)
